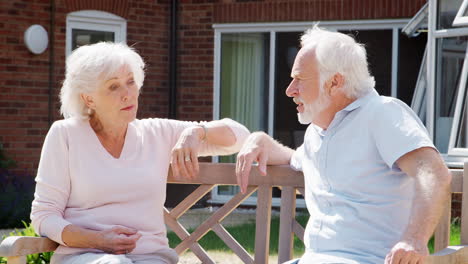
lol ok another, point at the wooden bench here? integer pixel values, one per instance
(291, 182)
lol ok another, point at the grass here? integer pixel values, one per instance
(454, 235)
(245, 235)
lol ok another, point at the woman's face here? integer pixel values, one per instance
(116, 99)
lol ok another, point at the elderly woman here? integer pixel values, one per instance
(101, 181)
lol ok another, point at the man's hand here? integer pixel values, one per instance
(184, 158)
(117, 240)
(405, 252)
(254, 150)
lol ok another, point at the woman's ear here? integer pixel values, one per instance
(88, 100)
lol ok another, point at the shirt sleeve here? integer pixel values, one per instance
(296, 158)
(397, 130)
(241, 133)
(52, 186)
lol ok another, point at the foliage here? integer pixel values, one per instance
(16, 195)
(41, 258)
(454, 235)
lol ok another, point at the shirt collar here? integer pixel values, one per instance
(361, 101)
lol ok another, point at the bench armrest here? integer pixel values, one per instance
(22, 245)
(451, 254)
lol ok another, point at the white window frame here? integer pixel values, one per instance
(418, 104)
(460, 19)
(461, 100)
(387, 24)
(455, 157)
(95, 20)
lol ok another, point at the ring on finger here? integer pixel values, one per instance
(187, 158)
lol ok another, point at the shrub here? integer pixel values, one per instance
(16, 195)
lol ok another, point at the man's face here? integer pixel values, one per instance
(305, 87)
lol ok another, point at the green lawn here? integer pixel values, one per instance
(454, 235)
(245, 235)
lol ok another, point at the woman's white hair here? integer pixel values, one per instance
(339, 53)
(90, 66)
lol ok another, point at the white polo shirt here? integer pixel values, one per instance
(359, 200)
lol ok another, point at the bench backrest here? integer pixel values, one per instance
(15, 248)
(212, 175)
(290, 182)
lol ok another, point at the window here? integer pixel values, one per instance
(447, 10)
(91, 26)
(253, 65)
(419, 102)
(451, 53)
(244, 84)
(459, 133)
(446, 78)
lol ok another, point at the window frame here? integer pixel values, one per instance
(95, 20)
(419, 102)
(461, 100)
(454, 157)
(386, 24)
(460, 19)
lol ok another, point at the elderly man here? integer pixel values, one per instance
(374, 182)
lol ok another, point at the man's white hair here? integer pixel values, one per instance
(90, 66)
(339, 53)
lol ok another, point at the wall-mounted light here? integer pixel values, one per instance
(36, 39)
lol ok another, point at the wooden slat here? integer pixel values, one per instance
(301, 191)
(287, 216)
(464, 209)
(232, 244)
(191, 199)
(20, 246)
(298, 230)
(224, 174)
(182, 233)
(442, 231)
(262, 225)
(450, 255)
(17, 260)
(217, 217)
(457, 181)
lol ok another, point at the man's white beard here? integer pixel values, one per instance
(313, 109)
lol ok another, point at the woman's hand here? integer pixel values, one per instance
(184, 158)
(118, 240)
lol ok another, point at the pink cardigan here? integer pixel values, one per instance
(79, 182)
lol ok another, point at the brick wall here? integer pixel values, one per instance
(24, 82)
(24, 77)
